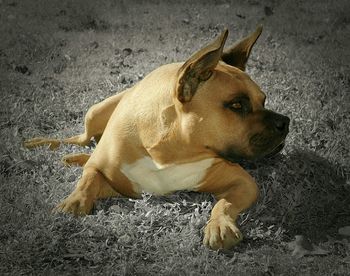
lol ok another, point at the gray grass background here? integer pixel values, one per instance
(57, 58)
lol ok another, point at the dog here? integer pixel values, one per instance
(183, 127)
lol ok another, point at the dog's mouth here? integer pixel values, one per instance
(266, 145)
(234, 156)
(276, 150)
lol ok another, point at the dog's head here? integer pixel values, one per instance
(221, 108)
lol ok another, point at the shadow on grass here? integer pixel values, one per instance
(304, 193)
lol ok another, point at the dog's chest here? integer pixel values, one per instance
(148, 176)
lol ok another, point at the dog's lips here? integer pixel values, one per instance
(276, 150)
(235, 157)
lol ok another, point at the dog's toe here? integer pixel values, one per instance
(221, 233)
(75, 204)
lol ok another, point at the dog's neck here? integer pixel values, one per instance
(174, 146)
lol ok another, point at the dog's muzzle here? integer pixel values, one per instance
(271, 140)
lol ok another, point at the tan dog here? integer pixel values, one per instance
(180, 128)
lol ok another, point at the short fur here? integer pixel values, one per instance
(180, 128)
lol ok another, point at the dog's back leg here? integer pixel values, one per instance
(78, 159)
(95, 122)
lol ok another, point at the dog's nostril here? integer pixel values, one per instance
(281, 124)
(276, 122)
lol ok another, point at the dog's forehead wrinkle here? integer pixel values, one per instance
(239, 81)
(233, 81)
(259, 96)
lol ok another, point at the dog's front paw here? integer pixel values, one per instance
(77, 204)
(221, 233)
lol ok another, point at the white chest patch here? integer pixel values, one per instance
(148, 176)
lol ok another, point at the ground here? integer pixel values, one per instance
(57, 58)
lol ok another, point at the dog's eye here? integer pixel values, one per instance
(236, 106)
(239, 104)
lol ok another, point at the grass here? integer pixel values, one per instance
(57, 58)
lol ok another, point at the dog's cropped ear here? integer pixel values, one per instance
(238, 55)
(198, 68)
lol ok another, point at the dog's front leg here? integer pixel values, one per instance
(235, 191)
(92, 186)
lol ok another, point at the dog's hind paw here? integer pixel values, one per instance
(39, 141)
(221, 233)
(75, 159)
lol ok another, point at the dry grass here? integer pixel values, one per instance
(59, 57)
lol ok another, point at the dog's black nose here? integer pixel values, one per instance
(281, 123)
(277, 122)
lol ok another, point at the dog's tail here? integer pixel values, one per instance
(96, 120)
